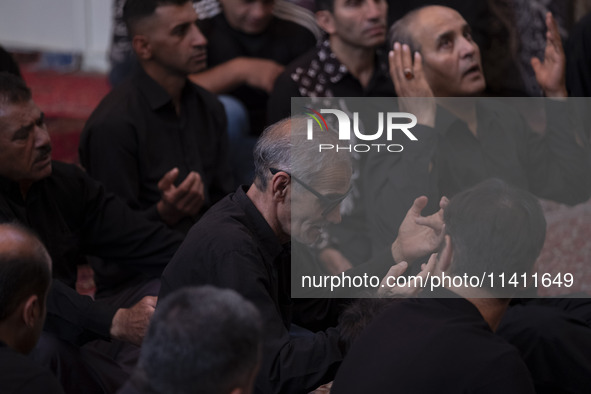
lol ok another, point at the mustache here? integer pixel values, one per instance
(44, 152)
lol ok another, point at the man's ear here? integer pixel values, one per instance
(280, 184)
(141, 47)
(31, 311)
(446, 255)
(325, 20)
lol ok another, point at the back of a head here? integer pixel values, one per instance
(200, 340)
(25, 268)
(136, 10)
(286, 146)
(13, 90)
(494, 227)
(8, 64)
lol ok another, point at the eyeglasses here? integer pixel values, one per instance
(328, 204)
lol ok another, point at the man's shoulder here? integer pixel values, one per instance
(118, 100)
(225, 226)
(303, 61)
(19, 374)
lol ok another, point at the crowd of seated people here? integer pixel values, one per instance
(196, 173)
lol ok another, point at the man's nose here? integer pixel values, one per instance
(197, 38)
(374, 9)
(257, 10)
(467, 47)
(334, 216)
(41, 136)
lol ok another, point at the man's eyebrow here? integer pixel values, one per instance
(181, 27)
(18, 134)
(446, 35)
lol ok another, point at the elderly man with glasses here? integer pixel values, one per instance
(247, 240)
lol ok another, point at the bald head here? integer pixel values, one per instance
(451, 59)
(25, 267)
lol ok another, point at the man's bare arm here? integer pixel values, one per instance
(254, 72)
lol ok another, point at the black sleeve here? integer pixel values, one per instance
(558, 161)
(578, 59)
(114, 232)
(109, 147)
(290, 364)
(76, 318)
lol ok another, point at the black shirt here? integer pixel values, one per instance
(578, 59)
(19, 375)
(282, 41)
(429, 345)
(449, 159)
(233, 246)
(135, 136)
(318, 73)
(74, 217)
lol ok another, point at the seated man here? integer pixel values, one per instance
(243, 243)
(25, 276)
(200, 340)
(159, 141)
(348, 63)
(444, 341)
(434, 55)
(248, 48)
(74, 217)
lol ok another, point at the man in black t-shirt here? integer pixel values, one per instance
(247, 49)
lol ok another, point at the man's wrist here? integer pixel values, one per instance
(116, 324)
(397, 254)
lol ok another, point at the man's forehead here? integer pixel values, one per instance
(15, 116)
(171, 15)
(433, 21)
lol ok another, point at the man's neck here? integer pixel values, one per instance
(359, 61)
(7, 334)
(173, 84)
(266, 206)
(491, 309)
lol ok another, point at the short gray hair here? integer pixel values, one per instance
(200, 340)
(284, 146)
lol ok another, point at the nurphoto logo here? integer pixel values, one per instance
(392, 124)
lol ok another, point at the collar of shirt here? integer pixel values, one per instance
(448, 299)
(156, 95)
(326, 69)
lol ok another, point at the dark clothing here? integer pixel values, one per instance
(282, 41)
(578, 59)
(129, 388)
(554, 339)
(318, 73)
(74, 217)
(19, 375)
(232, 246)
(428, 345)
(135, 136)
(450, 159)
